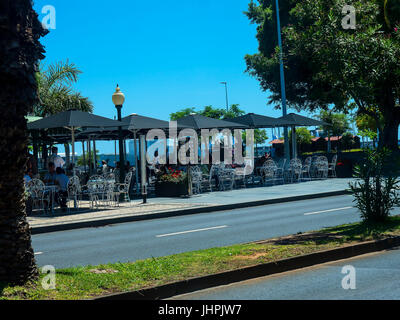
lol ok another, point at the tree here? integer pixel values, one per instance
(56, 93)
(55, 89)
(330, 67)
(303, 137)
(367, 126)
(337, 124)
(20, 50)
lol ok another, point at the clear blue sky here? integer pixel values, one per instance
(165, 55)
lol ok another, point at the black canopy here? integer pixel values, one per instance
(198, 122)
(72, 119)
(293, 119)
(258, 121)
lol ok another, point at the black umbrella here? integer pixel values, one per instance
(258, 121)
(198, 122)
(72, 119)
(293, 119)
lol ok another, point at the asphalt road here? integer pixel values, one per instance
(152, 238)
(377, 277)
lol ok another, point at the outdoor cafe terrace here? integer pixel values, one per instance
(94, 188)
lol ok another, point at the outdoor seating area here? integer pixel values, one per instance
(100, 191)
(221, 177)
(90, 186)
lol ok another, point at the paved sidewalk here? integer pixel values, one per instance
(156, 207)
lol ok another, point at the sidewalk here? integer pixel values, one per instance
(164, 207)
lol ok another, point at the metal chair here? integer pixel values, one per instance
(40, 197)
(295, 168)
(332, 166)
(305, 170)
(123, 188)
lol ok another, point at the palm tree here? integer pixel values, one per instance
(56, 93)
(20, 50)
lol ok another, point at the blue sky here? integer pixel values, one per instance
(165, 55)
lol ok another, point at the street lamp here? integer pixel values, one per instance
(118, 98)
(282, 76)
(226, 95)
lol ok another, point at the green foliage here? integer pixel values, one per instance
(376, 191)
(303, 136)
(337, 123)
(328, 66)
(55, 90)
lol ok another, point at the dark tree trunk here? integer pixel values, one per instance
(389, 135)
(20, 50)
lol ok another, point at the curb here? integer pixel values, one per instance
(247, 273)
(158, 215)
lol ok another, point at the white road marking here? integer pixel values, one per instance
(330, 210)
(39, 252)
(190, 231)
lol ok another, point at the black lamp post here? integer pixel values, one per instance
(226, 95)
(118, 99)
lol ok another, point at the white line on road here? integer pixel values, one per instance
(189, 231)
(330, 210)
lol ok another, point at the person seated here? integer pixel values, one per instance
(28, 176)
(62, 183)
(50, 176)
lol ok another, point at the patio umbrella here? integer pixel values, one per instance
(199, 122)
(72, 119)
(258, 121)
(293, 119)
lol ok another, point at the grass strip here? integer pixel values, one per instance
(91, 281)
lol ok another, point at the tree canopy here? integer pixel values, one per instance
(56, 92)
(328, 66)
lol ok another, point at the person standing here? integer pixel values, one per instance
(55, 158)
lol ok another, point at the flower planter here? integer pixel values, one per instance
(171, 189)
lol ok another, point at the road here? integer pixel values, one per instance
(153, 238)
(377, 277)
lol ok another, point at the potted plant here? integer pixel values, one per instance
(172, 183)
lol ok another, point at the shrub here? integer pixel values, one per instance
(375, 193)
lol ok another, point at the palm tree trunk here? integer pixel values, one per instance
(20, 50)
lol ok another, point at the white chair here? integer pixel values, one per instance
(74, 192)
(123, 188)
(269, 171)
(197, 179)
(305, 170)
(322, 167)
(40, 197)
(226, 178)
(332, 166)
(295, 168)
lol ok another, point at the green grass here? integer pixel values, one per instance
(81, 283)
